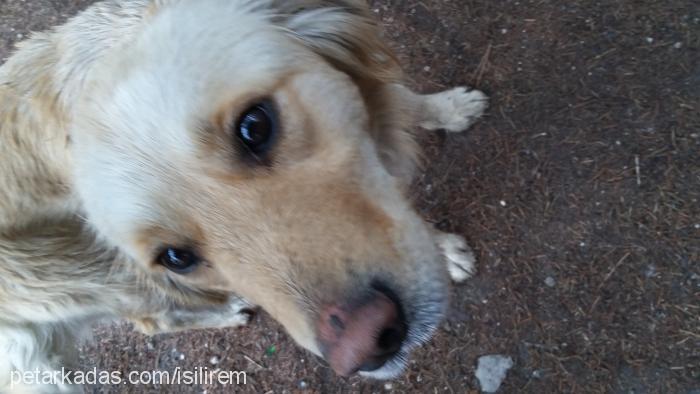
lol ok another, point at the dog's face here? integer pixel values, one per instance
(222, 152)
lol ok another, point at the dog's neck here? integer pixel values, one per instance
(39, 86)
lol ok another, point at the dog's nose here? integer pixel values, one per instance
(364, 336)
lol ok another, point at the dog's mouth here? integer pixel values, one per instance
(374, 335)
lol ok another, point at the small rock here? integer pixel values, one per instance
(550, 282)
(388, 386)
(214, 360)
(649, 40)
(491, 371)
(303, 384)
(651, 271)
(181, 356)
(503, 203)
(678, 45)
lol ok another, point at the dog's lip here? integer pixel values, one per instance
(391, 368)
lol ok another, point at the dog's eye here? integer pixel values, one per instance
(257, 127)
(180, 261)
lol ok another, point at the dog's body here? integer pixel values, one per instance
(115, 146)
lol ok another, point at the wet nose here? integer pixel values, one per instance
(362, 337)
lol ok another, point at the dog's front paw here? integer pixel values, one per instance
(458, 256)
(236, 312)
(241, 313)
(456, 109)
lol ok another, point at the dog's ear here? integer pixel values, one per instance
(342, 31)
(347, 35)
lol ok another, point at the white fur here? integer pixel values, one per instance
(458, 256)
(455, 110)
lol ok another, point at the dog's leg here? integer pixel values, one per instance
(237, 312)
(452, 110)
(33, 355)
(458, 255)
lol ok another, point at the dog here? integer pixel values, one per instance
(178, 163)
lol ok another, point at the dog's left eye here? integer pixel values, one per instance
(257, 127)
(180, 261)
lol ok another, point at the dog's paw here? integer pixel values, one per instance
(456, 109)
(241, 313)
(458, 256)
(237, 312)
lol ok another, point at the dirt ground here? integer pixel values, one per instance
(579, 191)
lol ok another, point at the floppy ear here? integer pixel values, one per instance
(347, 35)
(344, 32)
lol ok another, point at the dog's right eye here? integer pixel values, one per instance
(180, 261)
(257, 127)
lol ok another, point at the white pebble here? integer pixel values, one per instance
(550, 282)
(491, 371)
(214, 360)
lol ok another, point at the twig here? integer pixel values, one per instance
(482, 66)
(614, 268)
(600, 286)
(253, 362)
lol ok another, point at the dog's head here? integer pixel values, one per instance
(229, 147)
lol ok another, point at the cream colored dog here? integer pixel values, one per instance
(177, 162)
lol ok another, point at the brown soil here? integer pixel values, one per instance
(579, 192)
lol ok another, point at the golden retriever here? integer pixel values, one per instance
(179, 162)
